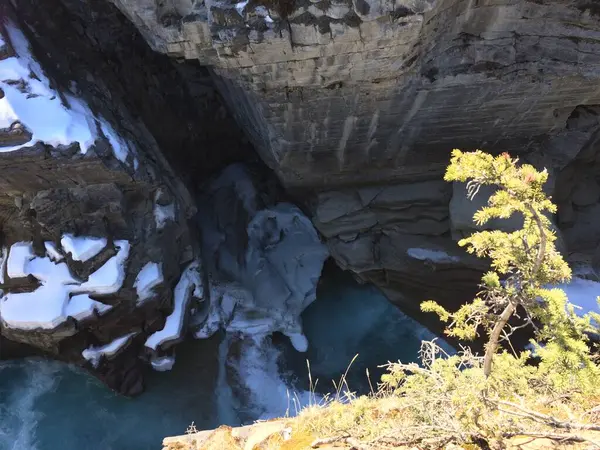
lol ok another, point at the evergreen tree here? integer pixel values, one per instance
(524, 265)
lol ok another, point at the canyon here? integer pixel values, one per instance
(211, 155)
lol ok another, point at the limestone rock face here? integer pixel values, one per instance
(356, 106)
(370, 91)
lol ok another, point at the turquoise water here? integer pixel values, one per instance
(350, 319)
(47, 405)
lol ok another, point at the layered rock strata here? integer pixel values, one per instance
(357, 104)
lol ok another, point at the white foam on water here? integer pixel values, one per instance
(269, 395)
(18, 416)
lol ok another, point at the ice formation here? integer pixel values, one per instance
(163, 364)
(262, 284)
(94, 354)
(583, 294)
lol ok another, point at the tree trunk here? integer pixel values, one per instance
(492, 344)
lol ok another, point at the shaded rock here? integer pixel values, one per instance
(412, 268)
(586, 192)
(584, 234)
(462, 210)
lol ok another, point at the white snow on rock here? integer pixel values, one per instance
(82, 307)
(190, 279)
(109, 278)
(240, 6)
(42, 308)
(149, 277)
(18, 257)
(39, 108)
(49, 305)
(426, 254)
(162, 214)
(583, 294)
(82, 248)
(52, 251)
(95, 354)
(51, 119)
(163, 364)
(45, 270)
(119, 146)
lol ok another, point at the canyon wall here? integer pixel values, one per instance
(109, 159)
(356, 104)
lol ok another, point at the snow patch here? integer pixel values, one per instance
(190, 278)
(583, 294)
(109, 278)
(261, 11)
(162, 214)
(82, 307)
(149, 277)
(82, 248)
(163, 364)
(49, 272)
(20, 254)
(3, 264)
(52, 251)
(94, 354)
(48, 306)
(39, 108)
(239, 7)
(426, 254)
(42, 308)
(119, 146)
(51, 118)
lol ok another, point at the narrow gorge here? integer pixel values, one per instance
(197, 196)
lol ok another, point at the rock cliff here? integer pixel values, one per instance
(88, 201)
(356, 104)
(353, 104)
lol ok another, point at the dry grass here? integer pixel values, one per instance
(299, 440)
(222, 439)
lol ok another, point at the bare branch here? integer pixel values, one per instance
(544, 418)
